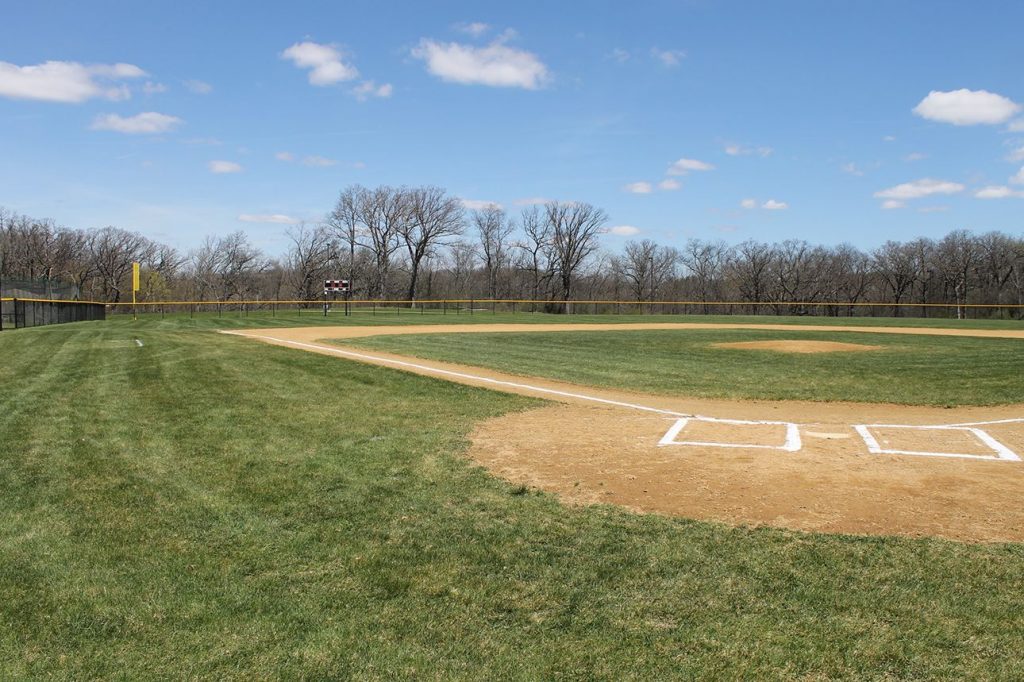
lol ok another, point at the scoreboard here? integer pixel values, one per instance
(336, 285)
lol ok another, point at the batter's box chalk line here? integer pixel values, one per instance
(792, 442)
(999, 451)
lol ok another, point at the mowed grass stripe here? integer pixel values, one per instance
(223, 509)
(907, 369)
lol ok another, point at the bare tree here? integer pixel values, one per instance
(646, 266)
(574, 231)
(748, 266)
(347, 222)
(433, 215)
(384, 212)
(461, 260)
(310, 258)
(895, 265)
(537, 257)
(705, 260)
(956, 255)
(493, 229)
(113, 251)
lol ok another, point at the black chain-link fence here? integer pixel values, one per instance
(16, 313)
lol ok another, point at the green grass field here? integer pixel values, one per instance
(207, 506)
(919, 370)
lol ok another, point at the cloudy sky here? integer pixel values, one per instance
(826, 121)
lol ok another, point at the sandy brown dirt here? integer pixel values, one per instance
(590, 451)
(797, 346)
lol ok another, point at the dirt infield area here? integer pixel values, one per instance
(797, 346)
(855, 468)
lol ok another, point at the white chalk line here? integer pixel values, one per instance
(792, 443)
(1002, 453)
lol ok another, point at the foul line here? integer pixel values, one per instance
(461, 375)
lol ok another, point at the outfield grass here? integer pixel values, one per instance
(918, 370)
(212, 507)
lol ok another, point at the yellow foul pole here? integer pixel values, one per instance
(135, 287)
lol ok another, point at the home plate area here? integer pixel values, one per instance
(966, 441)
(960, 481)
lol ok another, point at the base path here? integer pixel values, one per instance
(834, 467)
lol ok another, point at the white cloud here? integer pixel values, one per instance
(890, 204)
(70, 82)
(967, 107)
(268, 218)
(532, 201)
(997, 192)
(620, 55)
(772, 205)
(473, 28)
(284, 156)
(368, 89)
(733, 149)
(668, 57)
(198, 87)
(852, 169)
(1016, 155)
(684, 166)
(325, 63)
(151, 88)
(146, 123)
(748, 203)
(624, 230)
(318, 161)
(638, 188)
(889, 138)
(669, 185)
(496, 64)
(915, 156)
(206, 141)
(1018, 179)
(1016, 126)
(478, 204)
(920, 188)
(933, 209)
(224, 167)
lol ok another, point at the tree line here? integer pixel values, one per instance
(421, 243)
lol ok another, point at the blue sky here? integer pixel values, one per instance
(825, 121)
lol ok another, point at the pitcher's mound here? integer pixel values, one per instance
(790, 346)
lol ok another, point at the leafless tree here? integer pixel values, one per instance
(536, 247)
(310, 257)
(493, 230)
(575, 228)
(896, 266)
(705, 260)
(748, 268)
(646, 266)
(384, 213)
(433, 216)
(347, 222)
(113, 251)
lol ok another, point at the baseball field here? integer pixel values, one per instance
(515, 496)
